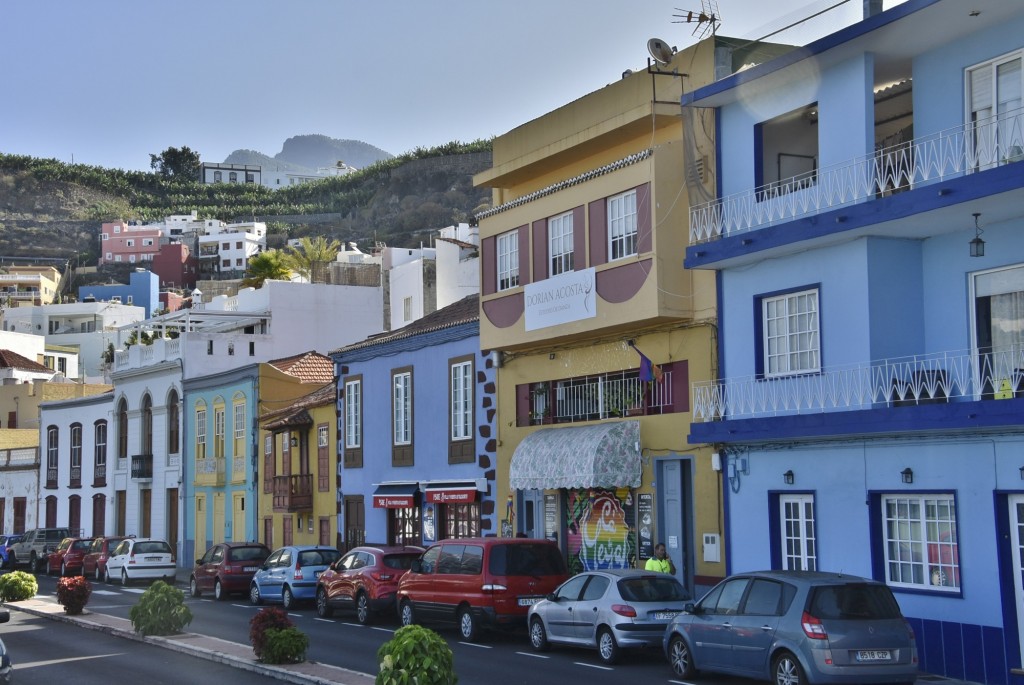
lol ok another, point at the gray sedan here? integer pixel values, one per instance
(611, 610)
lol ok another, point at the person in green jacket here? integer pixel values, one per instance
(660, 561)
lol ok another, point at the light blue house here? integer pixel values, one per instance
(868, 232)
(143, 290)
(416, 444)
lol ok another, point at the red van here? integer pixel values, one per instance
(480, 582)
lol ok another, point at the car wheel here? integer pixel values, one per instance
(33, 563)
(323, 609)
(254, 595)
(124, 578)
(218, 591)
(99, 574)
(468, 625)
(287, 598)
(786, 670)
(679, 657)
(406, 613)
(363, 609)
(538, 636)
(607, 647)
(193, 587)
(63, 569)
(106, 576)
(12, 560)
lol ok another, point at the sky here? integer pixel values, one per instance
(109, 82)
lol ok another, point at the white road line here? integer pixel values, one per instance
(386, 630)
(245, 606)
(105, 592)
(535, 656)
(681, 682)
(325, 620)
(473, 644)
(349, 623)
(133, 590)
(602, 668)
(297, 615)
(32, 664)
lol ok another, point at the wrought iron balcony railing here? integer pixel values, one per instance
(293, 493)
(973, 147)
(922, 379)
(142, 466)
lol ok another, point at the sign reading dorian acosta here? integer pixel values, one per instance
(560, 299)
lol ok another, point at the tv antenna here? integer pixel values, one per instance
(706, 20)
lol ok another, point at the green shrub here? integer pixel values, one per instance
(415, 655)
(264, 620)
(161, 611)
(284, 646)
(73, 593)
(17, 586)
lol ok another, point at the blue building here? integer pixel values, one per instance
(143, 290)
(416, 431)
(867, 229)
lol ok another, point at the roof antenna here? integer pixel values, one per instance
(707, 19)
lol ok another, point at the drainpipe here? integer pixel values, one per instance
(872, 7)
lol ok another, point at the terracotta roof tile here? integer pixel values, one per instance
(13, 360)
(308, 367)
(466, 310)
(297, 414)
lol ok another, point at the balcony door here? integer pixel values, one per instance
(1017, 553)
(999, 331)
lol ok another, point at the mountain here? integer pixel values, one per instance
(308, 152)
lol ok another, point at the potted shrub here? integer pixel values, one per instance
(416, 655)
(161, 611)
(269, 618)
(17, 586)
(284, 646)
(73, 594)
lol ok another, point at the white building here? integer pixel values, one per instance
(226, 248)
(19, 479)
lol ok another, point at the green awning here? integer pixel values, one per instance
(604, 455)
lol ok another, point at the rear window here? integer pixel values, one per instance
(652, 590)
(56, 535)
(318, 557)
(154, 547)
(248, 553)
(400, 561)
(526, 559)
(81, 544)
(854, 602)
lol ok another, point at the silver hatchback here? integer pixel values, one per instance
(793, 628)
(611, 610)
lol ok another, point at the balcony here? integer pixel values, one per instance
(293, 493)
(595, 398)
(951, 153)
(940, 378)
(142, 467)
(99, 475)
(210, 471)
(51, 477)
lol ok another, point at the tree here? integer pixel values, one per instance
(265, 266)
(180, 163)
(311, 255)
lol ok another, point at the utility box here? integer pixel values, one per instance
(711, 548)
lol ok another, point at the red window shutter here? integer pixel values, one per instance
(523, 404)
(680, 386)
(598, 232)
(540, 251)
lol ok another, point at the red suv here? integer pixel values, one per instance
(68, 557)
(95, 562)
(365, 579)
(480, 582)
(227, 567)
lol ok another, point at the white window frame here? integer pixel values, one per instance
(916, 555)
(995, 142)
(353, 414)
(461, 400)
(322, 436)
(508, 260)
(201, 433)
(622, 225)
(219, 429)
(52, 447)
(799, 542)
(76, 446)
(560, 247)
(402, 408)
(100, 443)
(129, 243)
(407, 308)
(239, 420)
(791, 333)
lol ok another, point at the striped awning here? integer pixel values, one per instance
(604, 455)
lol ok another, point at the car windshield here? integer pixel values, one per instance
(400, 561)
(854, 601)
(318, 557)
(247, 554)
(526, 560)
(154, 547)
(81, 544)
(652, 590)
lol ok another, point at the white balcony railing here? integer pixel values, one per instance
(921, 379)
(954, 152)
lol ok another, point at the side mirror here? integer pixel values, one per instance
(198, 561)
(416, 566)
(690, 608)
(552, 597)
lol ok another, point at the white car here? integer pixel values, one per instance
(141, 559)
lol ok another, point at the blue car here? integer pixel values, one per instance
(5, 542)
(290, 573)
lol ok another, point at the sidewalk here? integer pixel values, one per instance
(210, 648)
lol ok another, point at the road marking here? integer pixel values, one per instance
(473, 644)
(602, 668)
(133, 590)
(22, 665)
(386, 630)
(105, 592)
(245, 606)
(297, 615)
(349, 623)
(535, 656)
(325, 620)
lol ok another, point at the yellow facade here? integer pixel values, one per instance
(628, 140)
(27, 286)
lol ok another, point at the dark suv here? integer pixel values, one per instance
(35, 546)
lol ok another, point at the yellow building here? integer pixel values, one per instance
(25, 286)
(298, 440)
(582, 278)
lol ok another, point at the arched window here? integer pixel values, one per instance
(173, 421)
(122, 429)
(147, 425)
(52, 455)
(99, 465)
(76, 455)
(217, 176)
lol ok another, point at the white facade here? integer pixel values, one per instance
(19, 478)
(231, 245)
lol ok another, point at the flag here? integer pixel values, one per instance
(649, 371)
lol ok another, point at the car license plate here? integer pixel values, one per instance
(249, 569)
(152, 558)
(528, 601)
(665, 615)
(873, 655)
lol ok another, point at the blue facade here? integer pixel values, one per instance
(143, 290)
(870, 407)
(219, 477)
(441, 487)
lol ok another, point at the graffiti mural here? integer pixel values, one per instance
(600, 529)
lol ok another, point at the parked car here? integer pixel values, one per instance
(227, 568)
(140, 559)
(6, 541)
(6, 670)
(290, 573)
(795, 627)
(95, 562)
(34, 546)
(611, 610)
(67, 558)
(365, 579)
(480, 582)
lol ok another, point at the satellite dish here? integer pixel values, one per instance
(660, 51)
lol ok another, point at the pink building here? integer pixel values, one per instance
(123, 243)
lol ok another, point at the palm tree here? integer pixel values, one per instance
(311, 255)
(266, 266)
